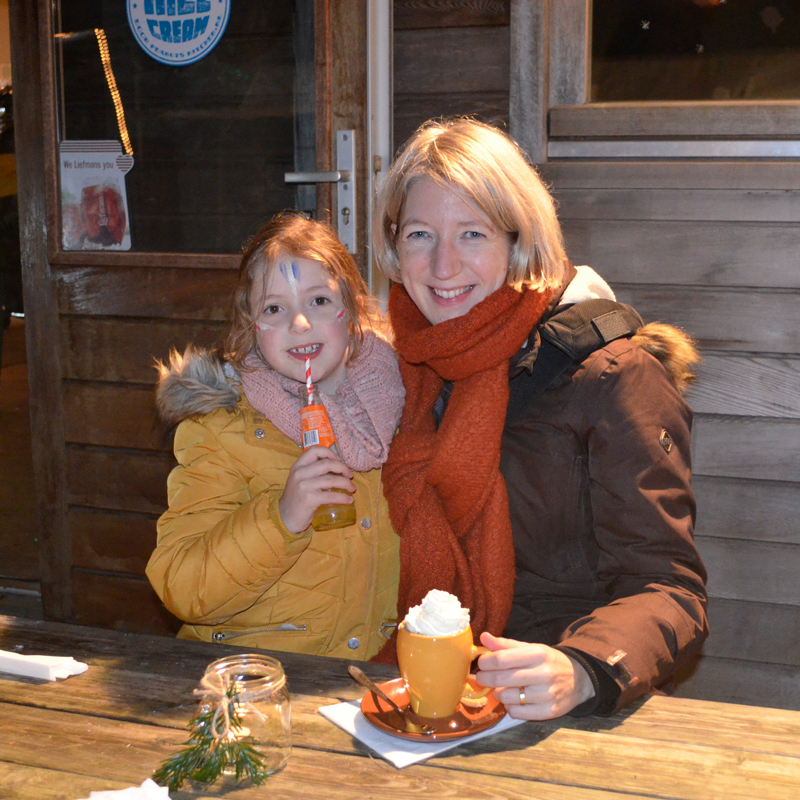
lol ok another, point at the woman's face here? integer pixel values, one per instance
(451, 255)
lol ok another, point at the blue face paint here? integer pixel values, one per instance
(291, 274)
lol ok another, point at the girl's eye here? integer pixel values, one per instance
(320, 301)
(272, 310)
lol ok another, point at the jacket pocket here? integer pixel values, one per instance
(577, 516)
(286, 627)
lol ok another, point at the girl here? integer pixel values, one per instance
(237, 559)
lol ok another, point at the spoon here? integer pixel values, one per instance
(412, 727)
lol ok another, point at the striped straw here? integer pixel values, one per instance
(309, 387)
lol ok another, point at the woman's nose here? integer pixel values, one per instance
(445, 262)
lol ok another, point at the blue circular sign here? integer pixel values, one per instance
(178, 32)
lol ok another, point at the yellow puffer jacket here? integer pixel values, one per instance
(228, 567)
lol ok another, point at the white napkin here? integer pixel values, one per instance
(149, 790)
(397, 751)
(47, 668)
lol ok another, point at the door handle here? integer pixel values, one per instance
(344, 176)
(317, 177)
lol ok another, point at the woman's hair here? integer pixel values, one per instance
(295, 235)
(490, 170)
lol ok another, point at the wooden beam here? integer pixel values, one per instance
(703, 119)
(529, 88)
(570, 53)
(31, 85)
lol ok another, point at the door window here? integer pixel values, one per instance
(210, 141)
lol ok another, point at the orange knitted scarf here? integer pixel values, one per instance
(447, 498)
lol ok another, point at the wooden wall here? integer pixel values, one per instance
(114, 322)
(709, 246)
(450, 58)
(712, 247)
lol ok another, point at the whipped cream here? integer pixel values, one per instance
(439, 614)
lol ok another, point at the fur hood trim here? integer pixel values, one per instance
(192, 384)
(674, 348)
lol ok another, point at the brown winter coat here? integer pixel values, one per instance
(598, 476)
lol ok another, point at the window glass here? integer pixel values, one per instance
(695, 50)
(210, 141)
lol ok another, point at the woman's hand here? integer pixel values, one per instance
(552, 682)
(317, 470)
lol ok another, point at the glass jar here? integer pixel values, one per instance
(261, 707)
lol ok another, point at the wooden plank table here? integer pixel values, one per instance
(113, 725)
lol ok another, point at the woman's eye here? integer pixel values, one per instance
(473, 235)
(417, 234)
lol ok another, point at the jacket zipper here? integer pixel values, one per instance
(287, 626)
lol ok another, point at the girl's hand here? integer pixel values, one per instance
(317, 470)
(553, 683)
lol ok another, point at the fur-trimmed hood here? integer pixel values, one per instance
(194, 383)
(674, 348)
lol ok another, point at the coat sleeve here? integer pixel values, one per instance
(220, 547)
(637, 431)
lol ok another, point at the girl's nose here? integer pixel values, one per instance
(445, 262)
(299, 323)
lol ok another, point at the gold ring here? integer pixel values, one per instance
(522, 699)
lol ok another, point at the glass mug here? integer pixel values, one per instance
(262, 705)
(435, 670)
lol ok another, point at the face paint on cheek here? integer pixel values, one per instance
(340, 314)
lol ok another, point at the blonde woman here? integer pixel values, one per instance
(554, 501)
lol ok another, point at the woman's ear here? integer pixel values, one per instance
(393, 229)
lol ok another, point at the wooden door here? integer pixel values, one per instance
(210, 142)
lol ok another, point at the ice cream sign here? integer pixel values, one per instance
(178, 32)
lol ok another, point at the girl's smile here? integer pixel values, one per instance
(301, 315)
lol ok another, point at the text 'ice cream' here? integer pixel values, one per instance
(439, 614)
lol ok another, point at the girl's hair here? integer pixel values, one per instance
(489, 169)
(294, 234)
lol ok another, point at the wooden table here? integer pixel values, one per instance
(112, 726)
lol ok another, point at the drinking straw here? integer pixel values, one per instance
(309, 387)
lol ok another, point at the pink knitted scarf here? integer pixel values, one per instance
(364, 411)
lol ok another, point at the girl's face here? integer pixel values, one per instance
(300, 314)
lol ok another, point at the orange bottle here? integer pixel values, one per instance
(316, 429)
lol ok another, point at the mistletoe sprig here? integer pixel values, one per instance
(211, 749)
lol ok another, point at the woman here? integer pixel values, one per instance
(583, 484)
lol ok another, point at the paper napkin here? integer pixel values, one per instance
(397, 751)
(48, 668)
(149, 790)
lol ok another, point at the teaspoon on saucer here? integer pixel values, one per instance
(412, 727)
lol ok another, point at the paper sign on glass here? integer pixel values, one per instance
(94, 203)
